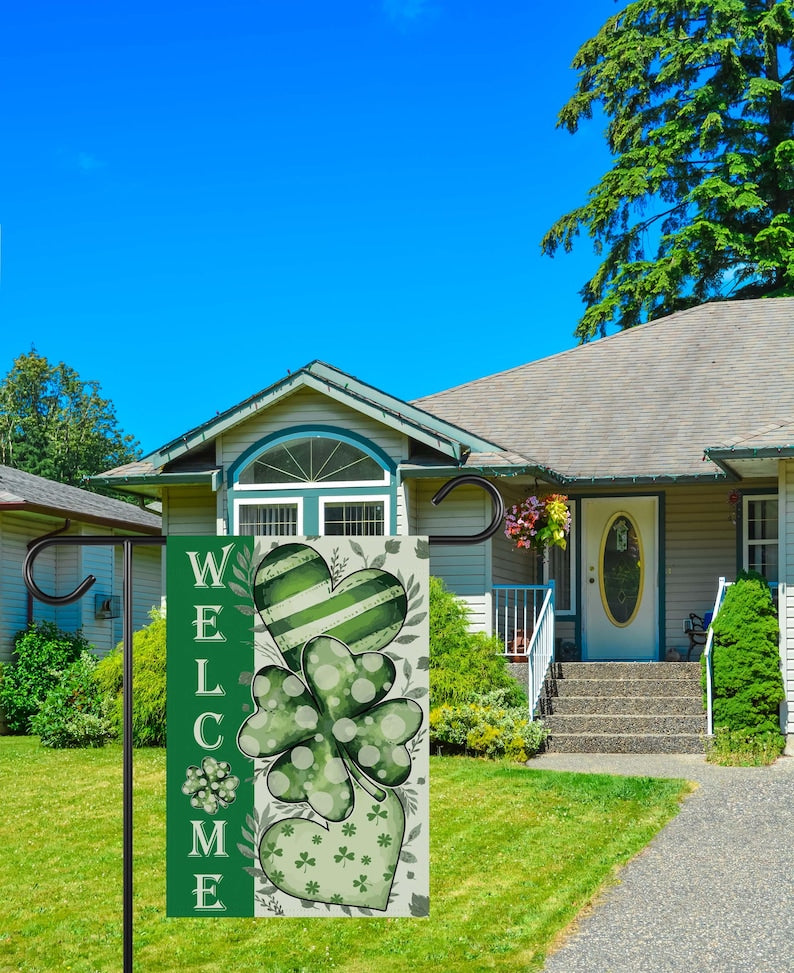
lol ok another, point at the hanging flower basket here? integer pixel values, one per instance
(539, 523)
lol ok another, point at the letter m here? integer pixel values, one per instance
(202, 845)
(209, 567)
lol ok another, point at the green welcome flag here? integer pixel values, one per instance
(297, 779)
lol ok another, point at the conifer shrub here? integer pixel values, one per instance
(748, 684)
(148, 680)
(464, 665)
(42, 653)
(74, 714)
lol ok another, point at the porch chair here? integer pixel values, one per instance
(697, 632)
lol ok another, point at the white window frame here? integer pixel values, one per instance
(262, 502)
(747, 499)
(357, 499)
(385, 481)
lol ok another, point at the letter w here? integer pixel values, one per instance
(216, 838)
(210, 566)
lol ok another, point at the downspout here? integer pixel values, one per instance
(53, 533)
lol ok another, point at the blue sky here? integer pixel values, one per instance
(196, 198)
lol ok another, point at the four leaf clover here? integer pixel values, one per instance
(211, 785)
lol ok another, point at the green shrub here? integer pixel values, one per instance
(148, 680)
(74, 714)
(41, 654)
(748, 685)
(487, 728)
(464, 665)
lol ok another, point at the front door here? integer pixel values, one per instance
(620, 577)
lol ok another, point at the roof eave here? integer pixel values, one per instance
(82, 516)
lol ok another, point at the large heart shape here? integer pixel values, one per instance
(297, 600)
(351, 864)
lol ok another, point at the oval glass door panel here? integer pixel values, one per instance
(622, 570)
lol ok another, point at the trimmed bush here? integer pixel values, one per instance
(42, 653)
(464, 665)
(148, 677)
(74, 714)
(487, 728)
(748, 685)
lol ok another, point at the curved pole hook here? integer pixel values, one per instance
(498, 510)
(27, 573)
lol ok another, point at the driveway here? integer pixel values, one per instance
(712, 893)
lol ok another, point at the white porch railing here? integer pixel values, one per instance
(524, 623)
(721, 589)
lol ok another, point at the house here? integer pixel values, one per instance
(674, 442)
(32, 507)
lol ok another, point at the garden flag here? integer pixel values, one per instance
(297, 772)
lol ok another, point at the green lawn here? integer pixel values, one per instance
(515, 855)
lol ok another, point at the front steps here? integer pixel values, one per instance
(623, 707)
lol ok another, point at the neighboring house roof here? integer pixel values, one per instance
(646, 403)
(26, 492)
(188, 459)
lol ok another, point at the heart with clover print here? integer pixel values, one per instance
(297, 599)
(352, 863)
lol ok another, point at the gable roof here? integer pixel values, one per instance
(187, 458)
(27, 492)
(644, 404)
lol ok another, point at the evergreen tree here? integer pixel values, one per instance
(699, 203)
(54, 424)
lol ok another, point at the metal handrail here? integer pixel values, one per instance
(540, 653)
(721, 589)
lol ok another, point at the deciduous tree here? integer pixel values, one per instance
(56, 425)
(699, 203)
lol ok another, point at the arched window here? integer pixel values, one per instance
(313, 482)
(313, 460)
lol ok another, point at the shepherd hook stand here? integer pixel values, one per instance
(128, 543)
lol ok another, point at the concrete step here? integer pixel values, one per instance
(629, 705)
(625, 670)
(639, 725)
(622, 687)
(625, 743)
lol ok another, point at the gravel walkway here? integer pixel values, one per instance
(712, 893)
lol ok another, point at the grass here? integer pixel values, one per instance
(734, 748)
(515, 855)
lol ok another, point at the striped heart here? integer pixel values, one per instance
(295, 596)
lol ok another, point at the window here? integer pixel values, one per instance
(313, 460)
(313, 481)
(353, 518)
(760, 535)
(268, 519)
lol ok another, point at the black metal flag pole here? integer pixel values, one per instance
(128, 544)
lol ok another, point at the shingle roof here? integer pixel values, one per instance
(645, 402)
(25, 491)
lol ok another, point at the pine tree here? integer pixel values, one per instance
(699, 203)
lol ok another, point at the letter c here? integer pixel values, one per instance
(198, 730)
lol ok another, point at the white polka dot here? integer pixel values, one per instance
(272, 703)
(368, 720)
(368, 756)
(322, 803)
(381, 774)
(249, 745)
(293, 686)
(271, 744)
(261, 686)
(400, 757)
(318, 737)
(363, 690)
(339, 650)
(393, 727)
(302, 758)
(258, 721)
(326, 677)
(306, 717)
(344, 730)
(278, 783)
(372, 661)
(335, 771)
(333, 700)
